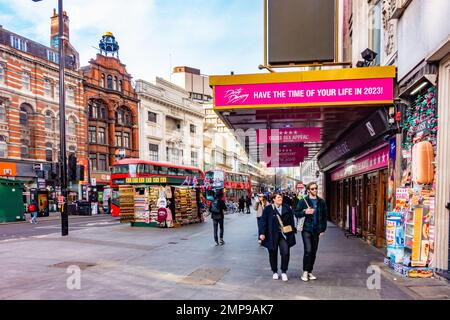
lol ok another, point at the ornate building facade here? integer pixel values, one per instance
(29, 110)
(111, 106)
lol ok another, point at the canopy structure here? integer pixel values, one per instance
(310, 109)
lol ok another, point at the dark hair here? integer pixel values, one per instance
(309, 185)
(275, 194)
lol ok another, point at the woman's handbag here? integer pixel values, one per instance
(284, 229)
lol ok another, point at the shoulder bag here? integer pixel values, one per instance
(284, 229)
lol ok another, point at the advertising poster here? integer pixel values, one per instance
(391, 168)
(395, 239)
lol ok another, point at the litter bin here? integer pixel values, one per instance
(84, 208)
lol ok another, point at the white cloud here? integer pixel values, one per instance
(215, 36)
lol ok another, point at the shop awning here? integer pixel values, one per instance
(310, 108)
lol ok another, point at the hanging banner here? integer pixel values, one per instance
(305, 93)
(288, 135)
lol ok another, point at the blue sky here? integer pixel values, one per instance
(216, 36)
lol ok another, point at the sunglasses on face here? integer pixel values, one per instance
(312, 189)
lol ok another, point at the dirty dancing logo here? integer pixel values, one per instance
(236, 96)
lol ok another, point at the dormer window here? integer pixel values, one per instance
(18, 43)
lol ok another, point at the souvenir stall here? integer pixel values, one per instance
(160, 206)
(410, 226)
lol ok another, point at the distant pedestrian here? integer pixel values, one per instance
(217, 208)
(287, 200)
(248, 203)
(33, 210)
(314, 210)
(241, 204)
(260, 204)
(277, 230)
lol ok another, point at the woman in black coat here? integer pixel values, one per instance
(273, 238)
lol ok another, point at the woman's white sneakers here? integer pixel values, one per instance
(311, 276)
(304, 276)
(284, 277)
(275, 276)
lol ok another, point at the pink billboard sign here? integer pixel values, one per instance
(288, 135)
(304, 93)
(375, 160)
(284, 156)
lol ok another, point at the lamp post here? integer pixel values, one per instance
(62, 121)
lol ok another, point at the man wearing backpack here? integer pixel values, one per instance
(217, 208)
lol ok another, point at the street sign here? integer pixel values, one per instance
(93, 182)
(37, 166)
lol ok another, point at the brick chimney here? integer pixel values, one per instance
(54, 29)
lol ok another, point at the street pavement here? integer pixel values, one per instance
(122, 262)
(49, 225)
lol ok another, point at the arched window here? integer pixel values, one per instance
(115, 83)
(110, 82)
(49, 124)
(26, 81)
(48, 152)
(2, 111)
(103, 80)
(25, 112)
(72, 126)
(120, 86)
(3, 147)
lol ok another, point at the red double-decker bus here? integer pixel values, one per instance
(144, 172)
(236, 184)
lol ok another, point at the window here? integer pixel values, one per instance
(102, 114)
(115, 83)
(110, 82)
(101, 135)
(102, 162)
(119, 117)
(118, 139)
(72, 126)
(48, 152)
(24, 152)
(175, 155)
(57, 90)
(70, 95)
(52, 56)
(26, 81)
(172, 171)
(152, 117)
(3, 147)
(153, 151)
(49, 120)
(194, 158)
(375, 28)
(128, 121)
(24, 113)
(126, 140)
(2, 111)
(163, 170)
(93, 162)
(2, 72)
(103, 80)
(92, 135)
(120, 86)
(18, 43)
(48, 87)
(192, 128)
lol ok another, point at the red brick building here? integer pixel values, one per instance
(112, 106)
(29, 107)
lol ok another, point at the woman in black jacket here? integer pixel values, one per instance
(272, 237)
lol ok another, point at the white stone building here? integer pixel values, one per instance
(170, 124)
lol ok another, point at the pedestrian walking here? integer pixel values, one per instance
(33, 210)
(241, 204)
(287, 200)
(260, 203)
(217, 208)
(248, 203)
(277, 230)
(314, 210)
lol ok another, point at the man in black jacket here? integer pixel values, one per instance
(217, 208)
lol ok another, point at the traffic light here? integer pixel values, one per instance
(80, 173)
(72, 167)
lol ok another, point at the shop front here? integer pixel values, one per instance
(358, 195)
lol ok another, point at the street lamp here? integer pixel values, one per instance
(62, 121)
